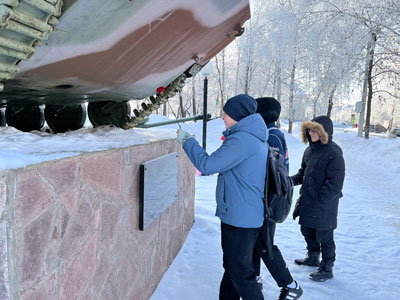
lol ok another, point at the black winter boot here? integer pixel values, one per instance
(324, 272)
(311, 259)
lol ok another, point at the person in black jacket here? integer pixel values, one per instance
(321, 176)
(269, 109)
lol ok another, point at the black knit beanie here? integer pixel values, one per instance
(269, 108)
(240, 106)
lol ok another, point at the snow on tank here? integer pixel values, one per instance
(105, 53)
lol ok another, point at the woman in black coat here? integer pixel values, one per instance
(321, 176)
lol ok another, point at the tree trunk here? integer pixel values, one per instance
(221, 80)
(315, 104)
(364, 95)
(317, 99)
(291, 97)
(369, 99)
(249, 69)
(247, 79)
(279, 84)
(330, 101)
(181, 111)
(237, 70)
(391, 119)
(194, 96)
(223, 94)
(165, 109)
(278, 88)
(187, 106)
(274, 83)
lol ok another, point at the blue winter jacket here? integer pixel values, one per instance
(241, 163)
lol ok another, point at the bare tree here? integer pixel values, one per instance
(330, 101)
(369, 80)
(221, 80)
(291, 96)
(194, 96)
(378, 20)
(164, 111)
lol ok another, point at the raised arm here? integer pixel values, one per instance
(231, 153)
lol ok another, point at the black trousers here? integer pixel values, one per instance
(275, 265)
(320, 240)
(239, 278)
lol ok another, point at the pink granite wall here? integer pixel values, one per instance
(69, 229)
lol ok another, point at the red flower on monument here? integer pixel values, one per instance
(160, 89)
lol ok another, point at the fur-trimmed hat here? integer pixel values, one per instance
(322, 125)
(240, 106)
(269, 108)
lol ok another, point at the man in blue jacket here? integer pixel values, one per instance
(269, 108)
(239, 192)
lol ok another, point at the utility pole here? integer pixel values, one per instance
(206, 70)
(205, 113)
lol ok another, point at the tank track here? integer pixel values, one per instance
(174, 87)
(24, 25)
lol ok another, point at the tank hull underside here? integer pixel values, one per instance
(116, 51)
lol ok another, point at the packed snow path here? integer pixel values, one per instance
(367, 238)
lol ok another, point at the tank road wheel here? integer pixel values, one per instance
(109, 113)
(63, 118)
(25, 118)
(2, 117)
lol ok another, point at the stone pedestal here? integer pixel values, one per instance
(69, 229)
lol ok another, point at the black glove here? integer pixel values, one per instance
(296, 208)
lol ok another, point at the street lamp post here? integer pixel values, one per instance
(206, 70)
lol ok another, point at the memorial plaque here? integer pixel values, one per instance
(158, 187)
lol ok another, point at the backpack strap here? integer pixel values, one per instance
(265, 228)
(283, 149)
(277, 137)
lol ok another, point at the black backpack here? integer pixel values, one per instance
(278, 191)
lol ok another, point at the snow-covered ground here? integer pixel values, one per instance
(367, 238)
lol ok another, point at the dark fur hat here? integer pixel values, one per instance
(322, 124)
